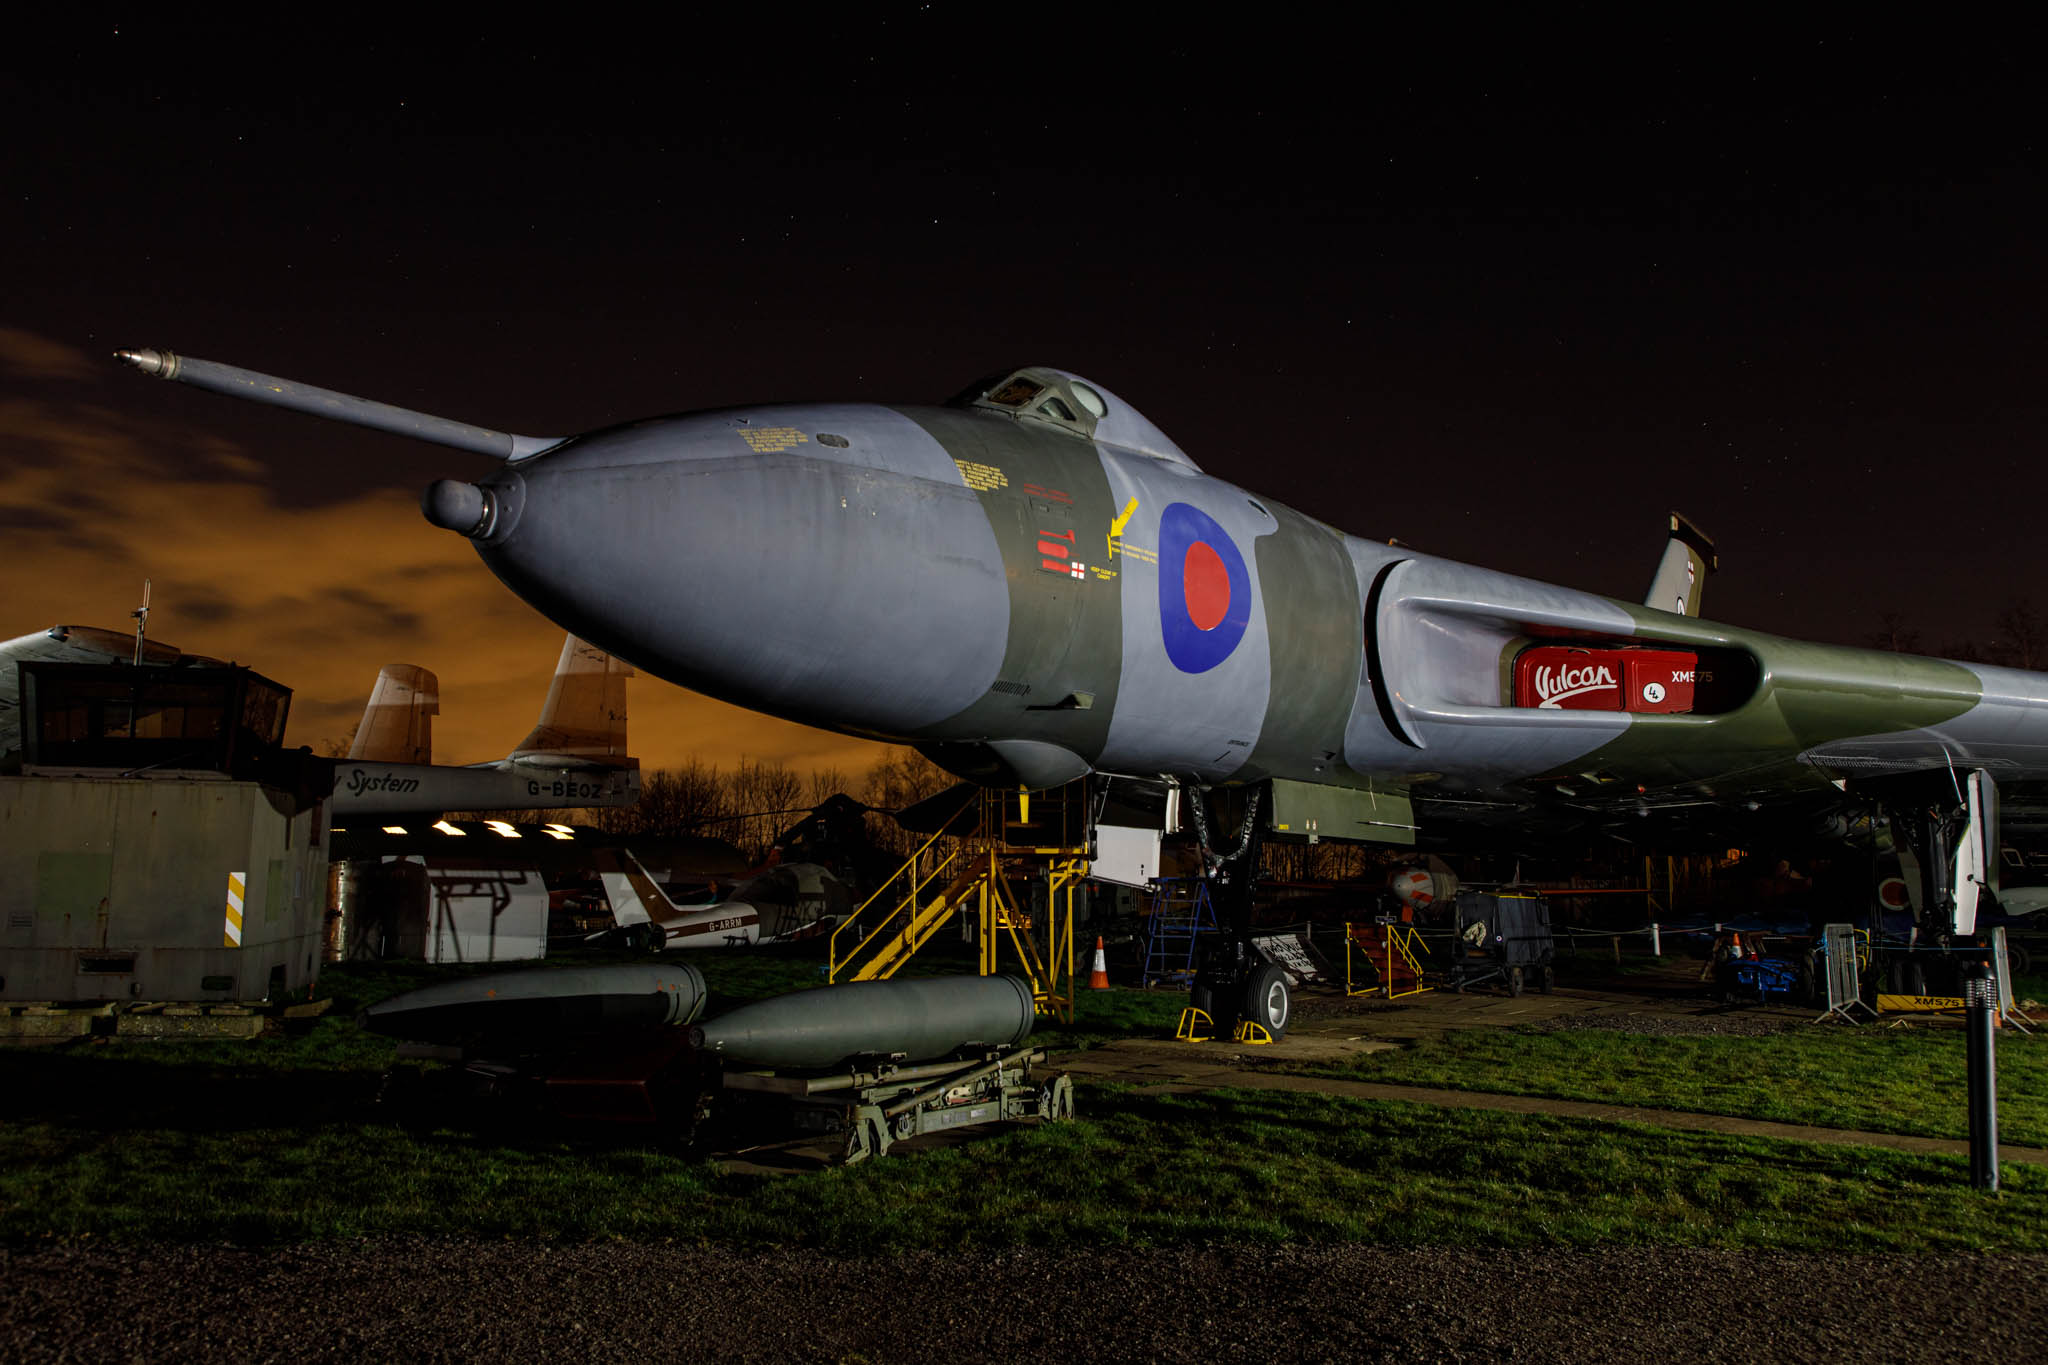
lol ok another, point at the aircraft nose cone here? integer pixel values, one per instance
(469, 510)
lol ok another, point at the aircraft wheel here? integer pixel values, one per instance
(1201, 997)
(2018, 958)
(1514, 981)
(1546, 979)
(1267, 1002)
(867, 1136)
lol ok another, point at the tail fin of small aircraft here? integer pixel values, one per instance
(398, 725)
(635, 897)
(584, 720)
(1688, 558)
(651, 919)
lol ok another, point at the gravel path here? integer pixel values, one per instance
(431, 1300)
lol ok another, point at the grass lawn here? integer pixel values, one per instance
(284, 1139)
(241, 1159)
(1877, 1079)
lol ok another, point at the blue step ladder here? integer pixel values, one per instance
(1181, 913)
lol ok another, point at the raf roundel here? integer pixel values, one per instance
(1205, 594)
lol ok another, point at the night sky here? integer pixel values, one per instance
(1508, 296)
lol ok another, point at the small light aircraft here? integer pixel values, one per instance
(783, 904)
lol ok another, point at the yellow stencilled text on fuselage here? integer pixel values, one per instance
(982, 478)
(773, 440)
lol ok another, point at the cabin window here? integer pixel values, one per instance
(1016, 393)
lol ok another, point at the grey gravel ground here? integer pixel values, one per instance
(434, 1300)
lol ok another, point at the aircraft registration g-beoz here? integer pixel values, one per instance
(1032, 583)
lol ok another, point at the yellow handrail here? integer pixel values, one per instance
(1396, 938)
(835, 960)
(1407, 940)
(909, 902)
(917, 929)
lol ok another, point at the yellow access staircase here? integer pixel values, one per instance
(1395, 952)
(952, 874)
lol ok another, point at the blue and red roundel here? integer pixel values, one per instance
(1205, 595)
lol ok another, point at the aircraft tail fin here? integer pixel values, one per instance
(1681, 575)
(584, 719)
(397, 725)
(636, 898)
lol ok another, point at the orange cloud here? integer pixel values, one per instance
(28, 356)
(318, 598)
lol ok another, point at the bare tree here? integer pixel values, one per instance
(902, 779)
(1893, 633)
(2022, 635)
(338, 748)
(825, 784)
(766, 798)
(673, 801)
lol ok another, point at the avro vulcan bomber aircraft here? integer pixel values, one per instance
(1033, 582)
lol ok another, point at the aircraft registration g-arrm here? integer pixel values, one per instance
(1033, 582)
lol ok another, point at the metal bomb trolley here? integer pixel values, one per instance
(866, 1063)
(1501, 937)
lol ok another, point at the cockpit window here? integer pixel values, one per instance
(1041, 397)
(1045, 397)
(1016, 393)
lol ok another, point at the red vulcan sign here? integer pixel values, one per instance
(1562, 677)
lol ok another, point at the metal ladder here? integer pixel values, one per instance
(1181, 913)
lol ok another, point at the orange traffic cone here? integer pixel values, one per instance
(1098, 976)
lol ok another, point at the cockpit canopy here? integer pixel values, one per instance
(1076, 406)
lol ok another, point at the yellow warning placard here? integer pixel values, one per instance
(231, 933)
(1924, 1004)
